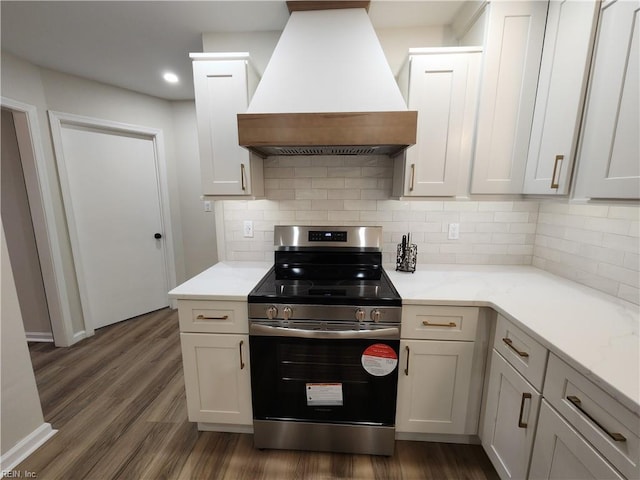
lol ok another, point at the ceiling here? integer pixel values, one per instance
(130, 44)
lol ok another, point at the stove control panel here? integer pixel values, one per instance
(327, 236)
(326, 313)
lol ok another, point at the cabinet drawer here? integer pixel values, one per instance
(439, 322)
(525, 354)
(207, 316)
(600, 418)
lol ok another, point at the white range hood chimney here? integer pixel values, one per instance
(327, 89)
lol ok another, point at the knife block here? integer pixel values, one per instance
(406, 261)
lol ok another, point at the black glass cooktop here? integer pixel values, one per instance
(326, 291)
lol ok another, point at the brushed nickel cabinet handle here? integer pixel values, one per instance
(406, 370)
(426, 323)
(509, 344)
(576, 402)
(203, 317)
(241, 362)
(555, 182)
(525, 396)
(242, 176)
(413, 176)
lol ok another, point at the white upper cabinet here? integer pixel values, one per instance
(512, 53)
(608, 159)
(443, 88)
(223, 87)
(563, 77)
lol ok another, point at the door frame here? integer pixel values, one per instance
(58, 120)
(47, 231)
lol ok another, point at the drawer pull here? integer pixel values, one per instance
(413, 176)
(555, 182)
(241, 362)
(522, 424)
(203, 317)
(426, 323)
(617, 437)
(509, 344)
(406, 370)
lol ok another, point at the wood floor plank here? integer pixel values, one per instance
(119, 404)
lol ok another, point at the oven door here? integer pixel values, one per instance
(328, 377)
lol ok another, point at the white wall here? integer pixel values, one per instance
(259, 44)
(396, 42)
(198, 226)
(22, 81)
(20, 236)
(20, 410)
(51, 90)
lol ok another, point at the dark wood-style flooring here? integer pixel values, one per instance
(117, 400)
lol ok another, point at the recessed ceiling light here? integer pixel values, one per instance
(170, 77)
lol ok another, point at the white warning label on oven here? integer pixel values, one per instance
(379, 359)
(324, 394)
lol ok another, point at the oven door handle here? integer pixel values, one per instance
(269, 331)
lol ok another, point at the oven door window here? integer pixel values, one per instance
(321, 381)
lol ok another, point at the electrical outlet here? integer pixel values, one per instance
(207, 205)
(454, 231)
(247, 228)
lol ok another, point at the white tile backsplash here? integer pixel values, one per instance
(596, 245)
(343, 191)
(590, 244)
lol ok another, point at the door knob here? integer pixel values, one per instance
(157, 236)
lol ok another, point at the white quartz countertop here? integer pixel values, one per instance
(594, 332)
(223, 281)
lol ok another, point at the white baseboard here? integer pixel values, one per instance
(25, 447)
(39, 337)
(81, 335)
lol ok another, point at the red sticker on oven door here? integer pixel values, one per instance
(379, 359)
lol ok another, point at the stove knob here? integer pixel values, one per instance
(272, 312)
(286, 313)
(360, 315)
(376, 315)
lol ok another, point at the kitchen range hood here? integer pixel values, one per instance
(328, 89)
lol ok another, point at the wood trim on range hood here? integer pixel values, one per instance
(327, 133)
(308, 5)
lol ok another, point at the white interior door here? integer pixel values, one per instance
(111, 192)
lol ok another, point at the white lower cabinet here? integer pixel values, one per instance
(217, 379)
(440, 377)
(560, 452)
(433, 386)
(509, 426)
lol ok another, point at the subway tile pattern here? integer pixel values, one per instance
(356, 191)
(595, 245)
